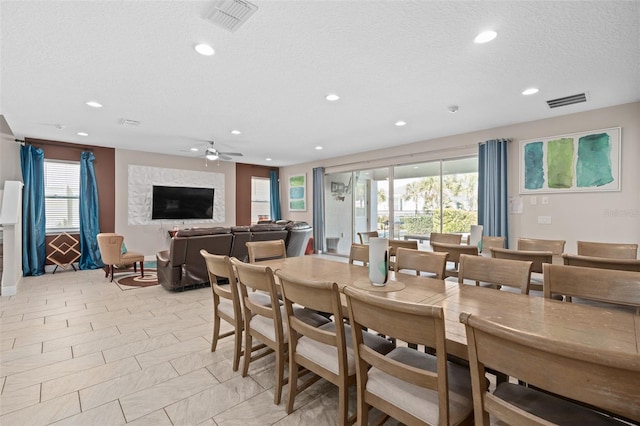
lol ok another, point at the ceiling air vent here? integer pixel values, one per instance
(567, 100)
(128, 122)
(231, 14)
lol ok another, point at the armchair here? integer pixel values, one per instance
(110, 246)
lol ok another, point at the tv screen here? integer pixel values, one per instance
(179, 202)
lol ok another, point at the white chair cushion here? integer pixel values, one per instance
(420, 402)
(225, 306)
(327, 355)
(264, 325)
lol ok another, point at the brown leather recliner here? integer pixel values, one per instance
(182, 265)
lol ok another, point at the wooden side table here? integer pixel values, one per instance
(65, 251)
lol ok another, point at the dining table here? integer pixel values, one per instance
(597, 327)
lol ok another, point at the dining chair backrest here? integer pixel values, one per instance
(489, 242)
(603, 285)
(601, 262)
(437, 237)
(421, 261)
(556, 247)
(610, 250)
(537, 257)
(500, 272)
(364, 236)
(455, 251)
(378, 374)
(266, 250)
(226, 301)
(394, 245)
(359, 253)
(600, 378)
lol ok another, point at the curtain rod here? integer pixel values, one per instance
(43, 142)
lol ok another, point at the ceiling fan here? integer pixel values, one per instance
(213, 154)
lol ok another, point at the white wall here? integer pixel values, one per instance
(594, 216)
(9, 154)
(149, 239)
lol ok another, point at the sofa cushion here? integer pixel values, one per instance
(245, 228)
(193, 232)
(297, 225)
(267, 227)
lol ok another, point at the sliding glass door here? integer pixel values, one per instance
(400, 201)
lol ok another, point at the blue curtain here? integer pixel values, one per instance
(33, 213)
(493, 194)
(89, 227)
(318, 209)
(275, 195)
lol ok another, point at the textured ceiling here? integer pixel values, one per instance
(388, 60)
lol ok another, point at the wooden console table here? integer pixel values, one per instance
(65, 251)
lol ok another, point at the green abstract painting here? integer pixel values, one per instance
(578, 162)
(298, 192)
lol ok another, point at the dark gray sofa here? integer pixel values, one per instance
(183, 265)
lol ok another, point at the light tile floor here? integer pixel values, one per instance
(75, 349)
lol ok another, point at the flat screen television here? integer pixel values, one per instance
(179, 202)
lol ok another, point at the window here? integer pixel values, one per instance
(407, 199)
(260, 199)
(61, 195)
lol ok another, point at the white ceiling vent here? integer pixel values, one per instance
(231, 14)
(567, 100)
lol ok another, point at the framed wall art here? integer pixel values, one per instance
(298, 193)
(576, 162)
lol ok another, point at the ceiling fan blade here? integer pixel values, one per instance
(238, 154)
(224, 157)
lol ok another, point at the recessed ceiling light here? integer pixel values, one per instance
(318, 147)
(453, 109)
(332, 97)
(485, 36)
(194, 149)
(83, 134)
(94, 104)
(267, 159)
(236, 132)
(530, 91)
(401, 123)
(415, 167)
(204, 49)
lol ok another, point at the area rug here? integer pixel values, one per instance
(127, 279)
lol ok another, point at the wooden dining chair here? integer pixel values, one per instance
(601, 262)
(498, 272)
(454, 250)
(359, 253)
(609, 250)
(537, 257)
(488, 242)
(266, 250)
(226, 302)
(394, 245)
(421, 261)
(411, 386)
(438, 237)
(605, 380)
(264, 322)
(364, 236)
(327, 350)
(602, 285)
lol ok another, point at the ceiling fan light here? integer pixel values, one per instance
(212, 157)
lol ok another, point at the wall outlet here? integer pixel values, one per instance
(544, 200)
(544, 220)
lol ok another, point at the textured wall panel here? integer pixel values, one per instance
(141, 180)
